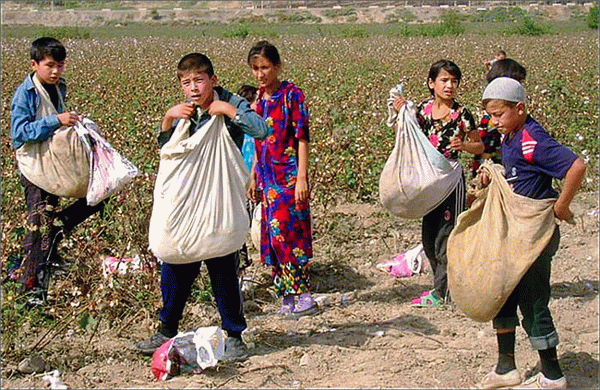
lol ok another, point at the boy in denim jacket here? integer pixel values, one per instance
(45, 226)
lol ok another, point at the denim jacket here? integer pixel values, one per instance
(246, 121)
(25, 104)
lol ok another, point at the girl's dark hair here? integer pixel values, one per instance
(506, 68)
(446, 65)
(195, 62)
(248, 92)
(47, 47)
(265, 49)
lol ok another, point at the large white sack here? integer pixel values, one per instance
(60, 165)
(493, 244)
(416, 177)
(199, 209)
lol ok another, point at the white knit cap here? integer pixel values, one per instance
(504, 88)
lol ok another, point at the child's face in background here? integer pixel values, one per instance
(48, 70)
(198, 87)
(265, 72)
(507, 118)
(444, 86)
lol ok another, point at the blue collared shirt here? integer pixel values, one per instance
(25, 104)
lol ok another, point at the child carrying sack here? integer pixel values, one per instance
(199, 209)
(416, 177)
(60, 165)
(493, 244)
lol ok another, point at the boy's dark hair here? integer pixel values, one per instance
(195, 62)
(501, 52)
(265, 49)
(47, 47)
(248, 92)
(446, 65)
(506, 68)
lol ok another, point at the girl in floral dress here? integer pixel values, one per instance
(281, 177)
(451, 129)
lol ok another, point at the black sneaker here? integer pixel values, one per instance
(235, 350)
(151, 344)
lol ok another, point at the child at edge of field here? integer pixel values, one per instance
(281, 175)
(199, 84)
(500, 55)
(451, 129)
(45, 225)
(531, 159)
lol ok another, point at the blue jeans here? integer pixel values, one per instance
(176, 285)
(532, 295)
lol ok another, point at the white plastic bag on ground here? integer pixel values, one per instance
(416, 177)
(199, 209)
(493, 244)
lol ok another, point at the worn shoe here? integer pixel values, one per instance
(151, 344)
(306, 307)
(288, 303)
(492, 380)
(235, 350)
(539, 381)
(427, 299)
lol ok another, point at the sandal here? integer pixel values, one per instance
(427, 299)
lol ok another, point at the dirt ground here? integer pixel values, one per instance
(367, 334)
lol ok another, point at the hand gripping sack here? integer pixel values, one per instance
(493, 244)
(199, 209)
(60, 165)
(416, 177)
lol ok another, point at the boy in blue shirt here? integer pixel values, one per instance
(198, 82)
(531, 159)
(45, 226)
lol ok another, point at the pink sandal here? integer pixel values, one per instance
(404, 264)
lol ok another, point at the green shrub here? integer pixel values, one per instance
(236, 32)
(531, 28)
(592, 18)
(66, 32)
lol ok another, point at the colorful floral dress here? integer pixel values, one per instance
(440, 132)
(286, 237)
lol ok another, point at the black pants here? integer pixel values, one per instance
(176, 284)
(435, 231)
(41, 238)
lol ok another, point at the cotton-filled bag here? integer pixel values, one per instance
(60, 165)
(416, 177)
(199, 209)
(493, 244)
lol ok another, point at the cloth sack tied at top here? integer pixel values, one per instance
(493, 244)
(199, 209)
(416, 177)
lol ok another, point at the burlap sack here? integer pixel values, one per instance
(60, 165)
(493, 244)
(416, 177)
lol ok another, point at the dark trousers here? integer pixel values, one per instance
(435, 230)
(42, 236)
(176, 284)
(532, 295)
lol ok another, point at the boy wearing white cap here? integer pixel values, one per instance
(531, 159)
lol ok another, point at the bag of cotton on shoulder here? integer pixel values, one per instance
(416, 177)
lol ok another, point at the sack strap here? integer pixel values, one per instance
(47, 107)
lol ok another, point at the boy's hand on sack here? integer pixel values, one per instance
(180, 111)
(483, 179)
(219, 107)
(68, 118)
